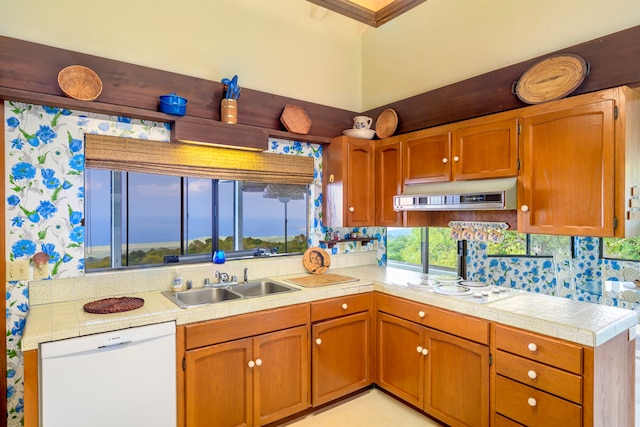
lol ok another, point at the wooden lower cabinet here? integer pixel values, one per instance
(444, 375)
(340, 357)
(341, 349)
(234, 383)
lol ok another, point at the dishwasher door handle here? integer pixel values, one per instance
(115, 344)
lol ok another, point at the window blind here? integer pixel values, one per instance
(194, 160)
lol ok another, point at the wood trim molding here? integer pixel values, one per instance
(3, 268)
(368, 16)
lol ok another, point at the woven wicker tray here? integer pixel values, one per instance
(552, 78)
(386, 123)
(113, 305)
(295, 119)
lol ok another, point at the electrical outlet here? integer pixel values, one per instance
(18, 270)
(41, 271)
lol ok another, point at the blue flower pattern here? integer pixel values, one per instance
(44, 204)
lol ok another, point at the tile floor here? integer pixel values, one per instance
(374, 408)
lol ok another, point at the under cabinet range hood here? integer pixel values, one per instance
(484, 194)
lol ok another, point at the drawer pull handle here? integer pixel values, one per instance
(345, 306)
(532, 374)
(258, 362)
(318, 341)
(419, 349)
(532, 347)
(421, 314)
(425, 351)
(531, 401)
(251, 363)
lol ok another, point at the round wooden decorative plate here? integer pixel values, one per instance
(316, 260)
(551, 78)
(386, 123)
(113, 305)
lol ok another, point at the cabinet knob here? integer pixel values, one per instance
(445, 160)
(345, 306)
(531, 401)
(425, 351)
(532, 374)
(318, 341)
(419, 349)
(532, 347)
(421, 314)
(456, 159)
(352, 209)
(524, 208)
(251, 363)
(258, 362)
(331, 178)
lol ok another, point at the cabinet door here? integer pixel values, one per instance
(567, 185)
(340, 357)
(486, 148)
(388, 182)
(360, 181)
(400, 364)
(280, 374)
(427, 159)
(457, 380)
(219, 374)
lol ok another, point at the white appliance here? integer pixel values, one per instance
(124, 378)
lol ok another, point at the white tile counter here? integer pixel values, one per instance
(579, 322)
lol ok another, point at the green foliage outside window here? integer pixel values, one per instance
(404, 245)
(622, 248)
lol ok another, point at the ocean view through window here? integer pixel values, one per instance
(139, 219)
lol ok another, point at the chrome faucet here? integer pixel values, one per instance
(246, 276)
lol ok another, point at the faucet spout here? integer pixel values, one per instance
(246, 276)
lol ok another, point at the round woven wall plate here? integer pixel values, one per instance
(80, 82)
(551, 78)
(386, 123)
(316, 260)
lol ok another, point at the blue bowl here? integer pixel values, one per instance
(173, 104)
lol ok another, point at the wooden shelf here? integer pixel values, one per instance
(49, 100)
(332, 243)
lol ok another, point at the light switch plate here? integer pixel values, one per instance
(18, 270)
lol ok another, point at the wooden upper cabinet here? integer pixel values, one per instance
(348, 181)
(388, 181)
(577, 165)
(480, 148)
(427, 157)
(486, 148)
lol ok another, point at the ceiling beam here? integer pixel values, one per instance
(367, 16)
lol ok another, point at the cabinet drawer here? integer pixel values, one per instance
(543, 349)
(533, 407)
(340, 306)
(505, 422)
(562, 384)
(471, 328)
(245, 325)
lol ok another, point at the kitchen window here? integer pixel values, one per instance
(620, 249)
(138, 219)
(518, 244)
(406, 249)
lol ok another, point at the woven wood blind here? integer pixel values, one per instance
(200, 161)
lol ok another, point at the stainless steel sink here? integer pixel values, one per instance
(193, 298)
(258, 289)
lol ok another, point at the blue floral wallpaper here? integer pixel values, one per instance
(538, 274)
(44, 206)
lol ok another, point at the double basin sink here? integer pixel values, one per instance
(221, 293)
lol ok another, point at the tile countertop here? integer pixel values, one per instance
(580, 322)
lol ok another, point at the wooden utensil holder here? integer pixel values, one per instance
(229, 111)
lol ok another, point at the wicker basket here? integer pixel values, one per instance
(295, 119)
(80, 82)
(386, 123)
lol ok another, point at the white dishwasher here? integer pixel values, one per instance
(124, 378)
